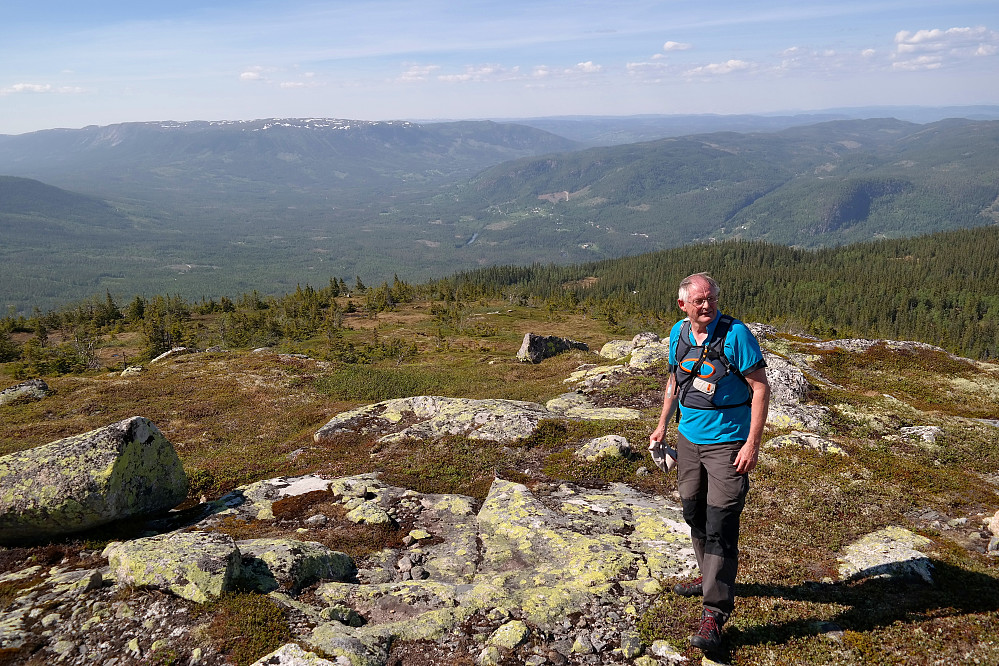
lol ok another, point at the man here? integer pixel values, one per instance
(720, 384)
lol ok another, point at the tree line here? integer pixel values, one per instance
(942, 289)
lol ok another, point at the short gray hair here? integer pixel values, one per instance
(686, 283)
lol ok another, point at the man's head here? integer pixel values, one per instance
(698, 298)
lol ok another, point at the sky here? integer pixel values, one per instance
(66, 63)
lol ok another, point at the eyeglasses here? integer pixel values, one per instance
(698, 302)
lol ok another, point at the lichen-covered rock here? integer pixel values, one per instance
(33, 389)
(891, 552)
(123, 470)
(496, 420)
(343, 642)
(536, 348)
(654, 353)
(271, 564)
(578, 407)
(368, 513)
(608, 446)
(805, 440)
(926, 434)
(509, 635)
(292, 654)
(197, 566)
(616, 349)
(788, 393)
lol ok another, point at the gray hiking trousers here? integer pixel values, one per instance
(713, 496)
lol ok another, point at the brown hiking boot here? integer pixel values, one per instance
(693, 588)
(708, 636)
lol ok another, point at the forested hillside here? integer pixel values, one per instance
(811, 186)
(942, 289)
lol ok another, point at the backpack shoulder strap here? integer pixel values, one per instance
(717, 345)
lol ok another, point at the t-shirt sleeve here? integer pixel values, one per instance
(743, 349)
(674, 335)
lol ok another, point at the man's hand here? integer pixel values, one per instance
(657, 436)
(747, 458)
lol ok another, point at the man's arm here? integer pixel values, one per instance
(669, 406)
(750, 451)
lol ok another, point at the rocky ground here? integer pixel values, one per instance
(356, 571)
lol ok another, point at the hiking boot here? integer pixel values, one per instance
(708, 636)
(693, 588)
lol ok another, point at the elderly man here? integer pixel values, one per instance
(718, 378)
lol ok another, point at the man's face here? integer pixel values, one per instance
(701, 305)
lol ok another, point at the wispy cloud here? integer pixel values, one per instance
(418, 73)
(482, 73)
(721, 68)
(677, 46)
(40, 88)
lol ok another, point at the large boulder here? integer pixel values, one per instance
(198, 566)
(33, 389)
(124, 470)
(788, 394)
(652, 354)
(536, 348)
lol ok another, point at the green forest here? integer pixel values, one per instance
(942, 289)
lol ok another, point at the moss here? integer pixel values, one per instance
(245, 627)
(454, 465)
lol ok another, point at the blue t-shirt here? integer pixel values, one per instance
(715, 426)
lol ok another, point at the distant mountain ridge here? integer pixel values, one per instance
(316, 156)
(815, 185)
(220, 208)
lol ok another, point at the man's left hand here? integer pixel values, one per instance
(747, 458)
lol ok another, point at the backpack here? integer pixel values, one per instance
(691, 367)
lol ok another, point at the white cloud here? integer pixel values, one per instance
(40, 88)
(677, 46)
(932, 49)
(919, 63)
(418, 73)
(587, 68)
(720, 68)
(252, 74)
(481, 73)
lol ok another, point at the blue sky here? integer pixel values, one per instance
(72, 64)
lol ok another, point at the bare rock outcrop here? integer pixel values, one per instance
(434, 417)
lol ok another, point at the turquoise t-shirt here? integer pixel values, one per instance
(715, 426)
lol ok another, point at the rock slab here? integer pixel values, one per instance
(197, 566)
